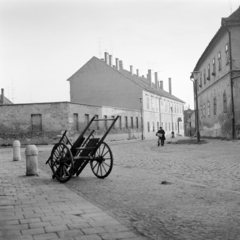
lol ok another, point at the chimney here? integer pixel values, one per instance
(106, 58)
(149, 77)
(137, 73)
(131, 69)
(156, 80)
(170, 85)
(161, 85)
(110, 60)
(121, 65)
(2, 96)
(117, 64)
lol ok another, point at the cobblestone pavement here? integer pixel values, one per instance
(38, 208)
(199, 200)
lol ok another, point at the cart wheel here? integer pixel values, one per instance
(102, 162)
(61, 162)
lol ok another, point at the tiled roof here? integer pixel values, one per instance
(143, 82)
(234, 16)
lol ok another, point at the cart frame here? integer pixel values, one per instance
(68, 159)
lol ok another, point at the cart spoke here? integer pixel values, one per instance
(100, 165)
(106, 164)
(105, 154)
(95, 165)
(103, 150)
(98, 168)
(104, 167)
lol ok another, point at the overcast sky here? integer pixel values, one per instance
(44, 42)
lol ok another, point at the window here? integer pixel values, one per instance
(166, 106)
(148, 126)
(131, 122)
(214, 105)
(105, 121)
(227, 54)
(152, 102)
(120, 122)
(75, 122)
(136, 122)
(86, 118)
(219, 61)
(200, 80)
(161, 103)
(208, 72)
(208, 108)
(224, 102)
(156, 104)
(147, 102)
(36, 121)
(153, 127)
(126, 122)
(204, 76)
(214, 67)
(97, 122)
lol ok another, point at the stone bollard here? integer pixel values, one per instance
(31, 153)
(16, 150)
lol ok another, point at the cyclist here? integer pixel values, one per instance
(161, 136)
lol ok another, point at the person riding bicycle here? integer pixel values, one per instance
(161, 136)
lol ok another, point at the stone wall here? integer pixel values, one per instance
(44, 123)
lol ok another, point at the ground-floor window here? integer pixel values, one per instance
(75, 121)
(148, 123)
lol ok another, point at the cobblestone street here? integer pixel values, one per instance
(199, 200)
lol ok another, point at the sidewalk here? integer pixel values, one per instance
(39, 208)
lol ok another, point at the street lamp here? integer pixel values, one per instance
(141, 115)
(193, 78)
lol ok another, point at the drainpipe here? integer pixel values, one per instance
(231, 79)
(160, 117)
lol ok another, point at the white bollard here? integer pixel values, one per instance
(16, 150)
(31, 153)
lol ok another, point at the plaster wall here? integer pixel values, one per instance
(219, 124)
(157, 112)
(97, 83)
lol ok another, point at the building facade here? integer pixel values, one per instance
(102, 83)
(217, 74)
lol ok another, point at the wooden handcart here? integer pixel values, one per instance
(67, 159)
